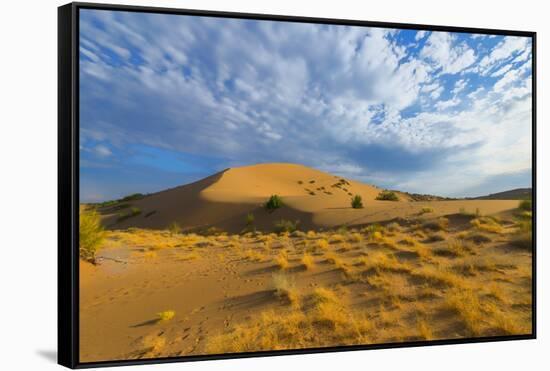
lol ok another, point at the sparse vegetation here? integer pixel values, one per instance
(275, 202)
(174, 228)
(286, 226)
(526, 205)
(357, 202)
(91, 234)
(307, 261)
(426, 210)
(285, 288)
(249, 219)
(387, 196)
(166, 315)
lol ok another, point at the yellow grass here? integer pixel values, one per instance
(282, 260)
(166, 315)
(466, 304)
(307, 261)
(322, 244)
(285, 288)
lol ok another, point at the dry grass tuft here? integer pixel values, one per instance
(166, 315)
(466, 304)
(285, 288)
(486, 224)
(440, 224)
(282, 260)
(307, 261)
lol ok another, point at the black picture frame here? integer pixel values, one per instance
(68, 181)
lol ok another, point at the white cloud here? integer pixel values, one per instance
(442, 51)
(459, 86)
(444, 104)
(420, 35)
(509, 46)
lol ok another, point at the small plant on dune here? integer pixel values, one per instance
(426, 210)
(174, 228)
(526, 205)
(393, 227)
(435, 237)
(307, 261)
(282, 260)
(523, 238)
(357, 202)
(477, 238)
(465, 302)
(285, 288)
(311, 234)
(337, 238)
(486, 224)
(153, 343)
(322, 244)
(387, 196)
(275, 202)
(287, 226)
(166, 315)
(91, 234)
(150, 254)
(424, 330)
(356, 237)
(249, 219)
(132, 197)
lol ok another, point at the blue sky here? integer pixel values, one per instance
(167, 99)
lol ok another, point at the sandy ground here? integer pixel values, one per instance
(400, 283)
(314, 198)
(390, 272)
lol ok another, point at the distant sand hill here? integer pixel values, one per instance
(314, 198)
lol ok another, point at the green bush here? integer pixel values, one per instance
(91, 235)
(357, 202)
(249, 219)
(274, 203)
(526, 205)
(132, 197)
(286, 226)
(387, 196)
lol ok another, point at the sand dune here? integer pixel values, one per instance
(314, 198)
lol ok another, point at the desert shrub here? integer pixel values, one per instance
(526, 205)
(486, 224)
(435, 237)
(91, 234)
(249, 219)
(387, 196)
(523, 238)
(282, 260)
(357, 202)
(322, 244)
(166, 315)
(477, 238)
(174, 228)
(285, 288)
(134, 211)
(286, 226)
(426, 210)
(307, 261)
(274, 203)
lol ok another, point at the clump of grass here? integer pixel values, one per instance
(311, 234)
(438, 276)
(458, 247)
(174, 228)
(526, 205)
(322, 244)
(287, 226)
(486, 224)
(387, 196)
(393, 227)
(424, 330)
(134, 211)
(465, 303)
(285, 288)
(149, 254)
(166, 315)
(356, 237)
(282, 260)
(253, 255)
(307, 261)
(249, 219)
(153, 343)
(337, 238)
(91, 234)
(426, 210)
(191, 256)
(132, 197)
(523, 238)
(275, 202)
(440, 224)
(357, 202)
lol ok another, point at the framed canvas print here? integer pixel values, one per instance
(236, 185)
